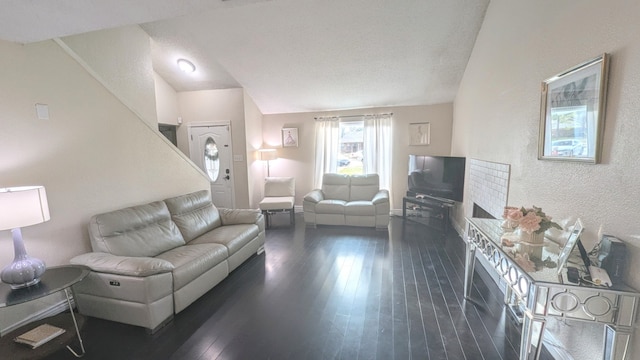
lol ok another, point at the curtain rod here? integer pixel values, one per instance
(351, 116)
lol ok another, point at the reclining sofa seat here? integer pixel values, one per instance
(153, 260)
(354, 200)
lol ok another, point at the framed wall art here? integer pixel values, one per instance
(289, 137)
(419, 133)
(572, 113)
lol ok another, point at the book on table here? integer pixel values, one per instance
(39, 335)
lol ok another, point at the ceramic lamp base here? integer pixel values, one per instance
(25, 270)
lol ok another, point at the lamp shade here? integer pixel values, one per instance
(268, 154)
(23, 206)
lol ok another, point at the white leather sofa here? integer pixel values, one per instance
(151, 261)
(354, 200)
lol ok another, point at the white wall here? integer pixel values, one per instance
(121, 59)
(299, 162)
(93, 155)
(166, 100)
(255, 175)
(219, 105)
(496, 116)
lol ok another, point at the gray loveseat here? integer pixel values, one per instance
(354, 200)
(151, 261)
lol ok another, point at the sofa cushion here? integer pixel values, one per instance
(364, 187)
(194, 214)
(234, 237)
(144, 230)
(360, 208)
(335, 186)
(191, 261)
(330, 207)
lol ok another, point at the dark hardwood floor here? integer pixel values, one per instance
(331, 293)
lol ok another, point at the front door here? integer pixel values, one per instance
(210, 149)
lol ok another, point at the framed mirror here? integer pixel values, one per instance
(572, 113)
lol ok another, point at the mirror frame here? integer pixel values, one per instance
(573, 239)
(578, 96)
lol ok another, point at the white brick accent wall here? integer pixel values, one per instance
(489, 185)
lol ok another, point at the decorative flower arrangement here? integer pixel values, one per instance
(530, 220)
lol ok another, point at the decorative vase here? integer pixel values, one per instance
(530, 238)
(509, 225)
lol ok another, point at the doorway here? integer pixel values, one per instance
(210, 148)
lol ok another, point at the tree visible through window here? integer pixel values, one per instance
(351, 146)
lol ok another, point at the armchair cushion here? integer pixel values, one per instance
(279, 186)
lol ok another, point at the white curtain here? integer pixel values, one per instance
(377, 148)
(327, 148)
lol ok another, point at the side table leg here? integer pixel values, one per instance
(469, 264)
(75, 323)
(532, 330)
(616, 342)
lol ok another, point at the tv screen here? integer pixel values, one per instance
(437, 176)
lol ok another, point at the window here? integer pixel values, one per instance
(351, 146)
(362, 146)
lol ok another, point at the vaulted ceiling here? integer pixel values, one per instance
(289, 55)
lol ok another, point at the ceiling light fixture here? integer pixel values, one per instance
(186, 65)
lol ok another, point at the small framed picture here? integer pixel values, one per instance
(289, 137)
(419, 133)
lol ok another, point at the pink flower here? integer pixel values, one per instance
(513, 214)
(530, 222)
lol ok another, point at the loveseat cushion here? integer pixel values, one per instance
(364, 187)
(233, 237)
(192, 260)
(194, 214)
(330, 207)
(143, 230)
(360, 208)
(336, 186)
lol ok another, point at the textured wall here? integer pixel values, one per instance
(121, 59)
(496, 115)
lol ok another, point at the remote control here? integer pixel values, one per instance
(599, 276)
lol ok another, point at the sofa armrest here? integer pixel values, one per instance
(315, 196)
(239, 216)
(123, 265)
(381, 197)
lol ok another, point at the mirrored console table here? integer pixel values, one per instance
(534, 285)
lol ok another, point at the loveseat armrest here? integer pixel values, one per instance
(315, 196)
(239, 216)
(381, 197)
(123, 265)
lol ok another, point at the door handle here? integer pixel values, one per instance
(227, 177)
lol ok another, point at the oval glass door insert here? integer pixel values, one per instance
(211, 159)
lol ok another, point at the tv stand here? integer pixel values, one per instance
(427, 210)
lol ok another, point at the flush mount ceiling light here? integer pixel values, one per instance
(186, 65)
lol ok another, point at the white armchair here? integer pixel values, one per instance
(279, 196)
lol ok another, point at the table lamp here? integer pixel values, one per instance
(267, 155)
(19, 207)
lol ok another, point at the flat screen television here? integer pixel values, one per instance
(437, 176)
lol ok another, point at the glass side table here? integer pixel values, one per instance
(59, 278)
